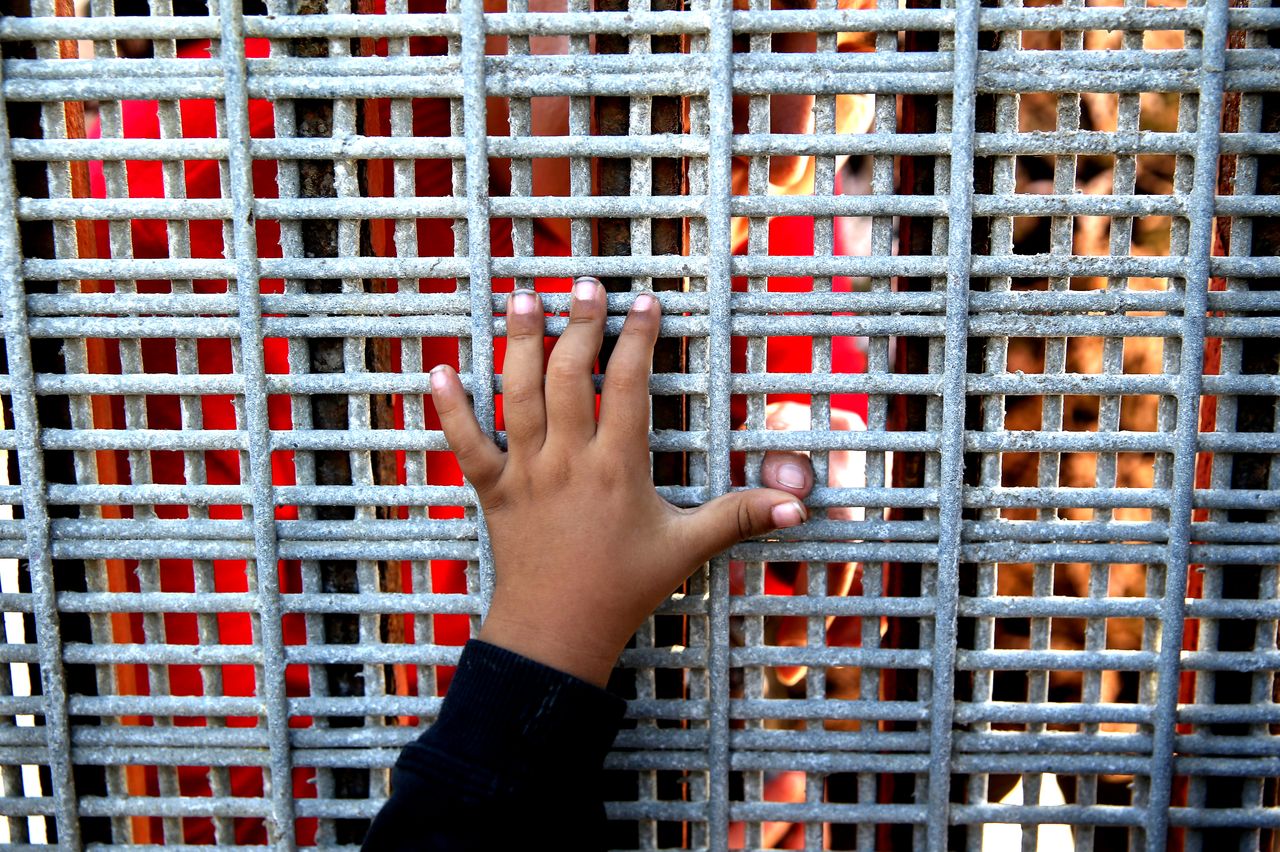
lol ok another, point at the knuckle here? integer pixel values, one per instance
(517, 396)
(553, 478)
(515, 481)
(641, 325)
(617, 478)
(468, 453)
(744, 520)
(492, 498)
(523, 328)
(565, 369)
(626, 381)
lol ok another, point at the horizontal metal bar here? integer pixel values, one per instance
(1039, 814)
(1109, 815)
(1021, 266)
(224, 530)
(457, 530)
(223, 806)
(1051, 713)
(657, 145)
(114, 209)
(383, 439)
(780, 708)
(629, 24)
(803, 812)
(389, 495)
(688, 82)
(366, 602)
(361, 147)
(412, 304)
(1003, 325)
(1004, 383)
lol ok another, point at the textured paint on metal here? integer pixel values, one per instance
(665, 146)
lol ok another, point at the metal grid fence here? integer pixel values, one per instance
(235, 658)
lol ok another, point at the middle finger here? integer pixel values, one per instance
(571, 395)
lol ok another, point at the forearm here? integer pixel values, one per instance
(518, 749)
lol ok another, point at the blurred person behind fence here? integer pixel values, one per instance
(201, 179)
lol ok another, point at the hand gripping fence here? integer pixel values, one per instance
(1033, 250)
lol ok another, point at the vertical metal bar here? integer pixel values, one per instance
(300, 238)
(35, 522)
(406, 246)
(1120, 244)
(870, 680)
(1200, 208)
(369, 680)
(1248, 237)
(1236, 176)
(998, 113)
(719, 374)
(477, 183)
(194, 471)
(271, 686)
(824, 185)
(951, 490)
(663, 176)
(824, 179)
(111, 116)
(698, 624)
(318, 237)
(759, 117)
(123, 780)
(1049, 467)
(1238, 236)
(666, 237)
(613, 175)
(1156, 581)
(520, 124)
(56, 124)
(911, 470)
(461, 230)
(11, 781)
(579, 125)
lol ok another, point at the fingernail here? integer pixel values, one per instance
(524, 302)
(791, 476)
(584, 289)
(644, 302)
(439, 378)
(787, 515)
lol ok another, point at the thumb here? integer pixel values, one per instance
(727, 520)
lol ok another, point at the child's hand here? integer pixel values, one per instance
(583, 546)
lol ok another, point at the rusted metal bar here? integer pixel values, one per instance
(314, 119)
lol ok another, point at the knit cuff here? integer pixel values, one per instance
(503, 709)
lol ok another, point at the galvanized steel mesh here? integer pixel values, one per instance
(236, 659)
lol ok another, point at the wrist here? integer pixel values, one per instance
(549, 635)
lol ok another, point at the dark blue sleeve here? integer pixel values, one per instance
(514, 758)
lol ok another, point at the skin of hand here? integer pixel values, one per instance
(584, 548)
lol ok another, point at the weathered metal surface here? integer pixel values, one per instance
(967, 675)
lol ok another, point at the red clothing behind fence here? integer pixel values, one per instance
(788, 236)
